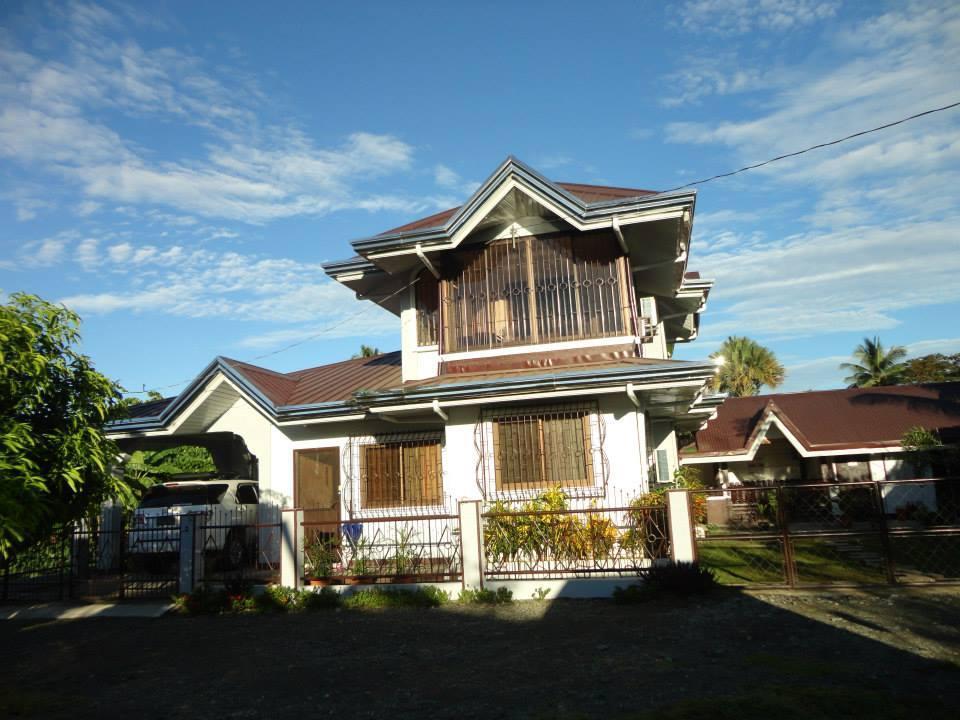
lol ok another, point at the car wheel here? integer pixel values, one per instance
(233, 550)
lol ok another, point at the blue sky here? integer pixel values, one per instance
(177, 176)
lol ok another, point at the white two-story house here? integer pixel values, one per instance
(537, 323)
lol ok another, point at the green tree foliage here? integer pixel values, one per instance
(932, 368)
(874, 365)
(160, 464)
(55, 462)
(747, 366)
(366, 351)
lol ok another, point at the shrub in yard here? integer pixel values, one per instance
(500, 596)
(681, 578)
(429, 596)
(326, 599)
(675, 579)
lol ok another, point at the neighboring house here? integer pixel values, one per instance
(537, 323)
(832, 435)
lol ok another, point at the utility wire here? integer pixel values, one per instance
(679, 187)
(815, 147)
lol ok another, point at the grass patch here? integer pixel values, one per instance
(801, 703)
(428, 596)
(500, 596)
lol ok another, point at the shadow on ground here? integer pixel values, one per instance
(883, 654)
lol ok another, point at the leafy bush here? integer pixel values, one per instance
(674, 579)
(325, 599)
(429, 596)
(500, 596)
(518, 531)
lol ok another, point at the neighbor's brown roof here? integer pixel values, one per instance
(587, 193)
(836, 419)
(326, 383)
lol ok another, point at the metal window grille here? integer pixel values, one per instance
(523, 451)
(395, 472)
(536, 290)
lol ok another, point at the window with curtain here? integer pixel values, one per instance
(535, 289)
(543, 448)
(401, 474)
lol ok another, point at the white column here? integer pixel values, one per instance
(471, 543)
(291, 549)
(682, 543)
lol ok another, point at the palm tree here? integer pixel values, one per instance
(875, 366)
(746, 367)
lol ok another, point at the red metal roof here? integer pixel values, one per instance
(837, 419)
(326, 383)
(587, 193)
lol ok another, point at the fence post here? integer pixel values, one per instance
(188, 531)
(471, 543)
(291, 549)
(683, 547)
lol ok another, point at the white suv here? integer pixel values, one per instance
(227, 512)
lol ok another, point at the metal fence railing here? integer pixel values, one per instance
(403, 549)
(890, 531)
(549, 540)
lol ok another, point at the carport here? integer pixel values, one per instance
(228, 450)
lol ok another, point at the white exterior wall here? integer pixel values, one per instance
(623, 447)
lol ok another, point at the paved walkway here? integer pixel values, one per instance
(65, 611)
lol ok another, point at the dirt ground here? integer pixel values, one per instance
(888, 653)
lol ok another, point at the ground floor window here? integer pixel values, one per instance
(402, 473)
(535, 448)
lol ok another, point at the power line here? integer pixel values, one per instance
(679, 187)
(815, 147)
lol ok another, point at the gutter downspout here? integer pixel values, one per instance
(632, 394)
(439, 411)
(426, 261)
(615, 224)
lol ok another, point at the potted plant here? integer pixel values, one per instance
(403, 557)
(319, 556)
(361, 567)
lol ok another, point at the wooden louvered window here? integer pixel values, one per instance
(543, 449)
(428, 308)
(401, 474)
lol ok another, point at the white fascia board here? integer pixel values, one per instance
(318, 421)
(631, 217)
(217, 380)
(130, 435)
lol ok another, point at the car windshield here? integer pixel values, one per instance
(170, 495)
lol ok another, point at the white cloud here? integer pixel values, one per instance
(57, 117)
(853, 279)
(451, 180)
(87, 253)
(744, 16)
(876, 232)
(227, 285)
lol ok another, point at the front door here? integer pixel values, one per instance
(317, 490)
